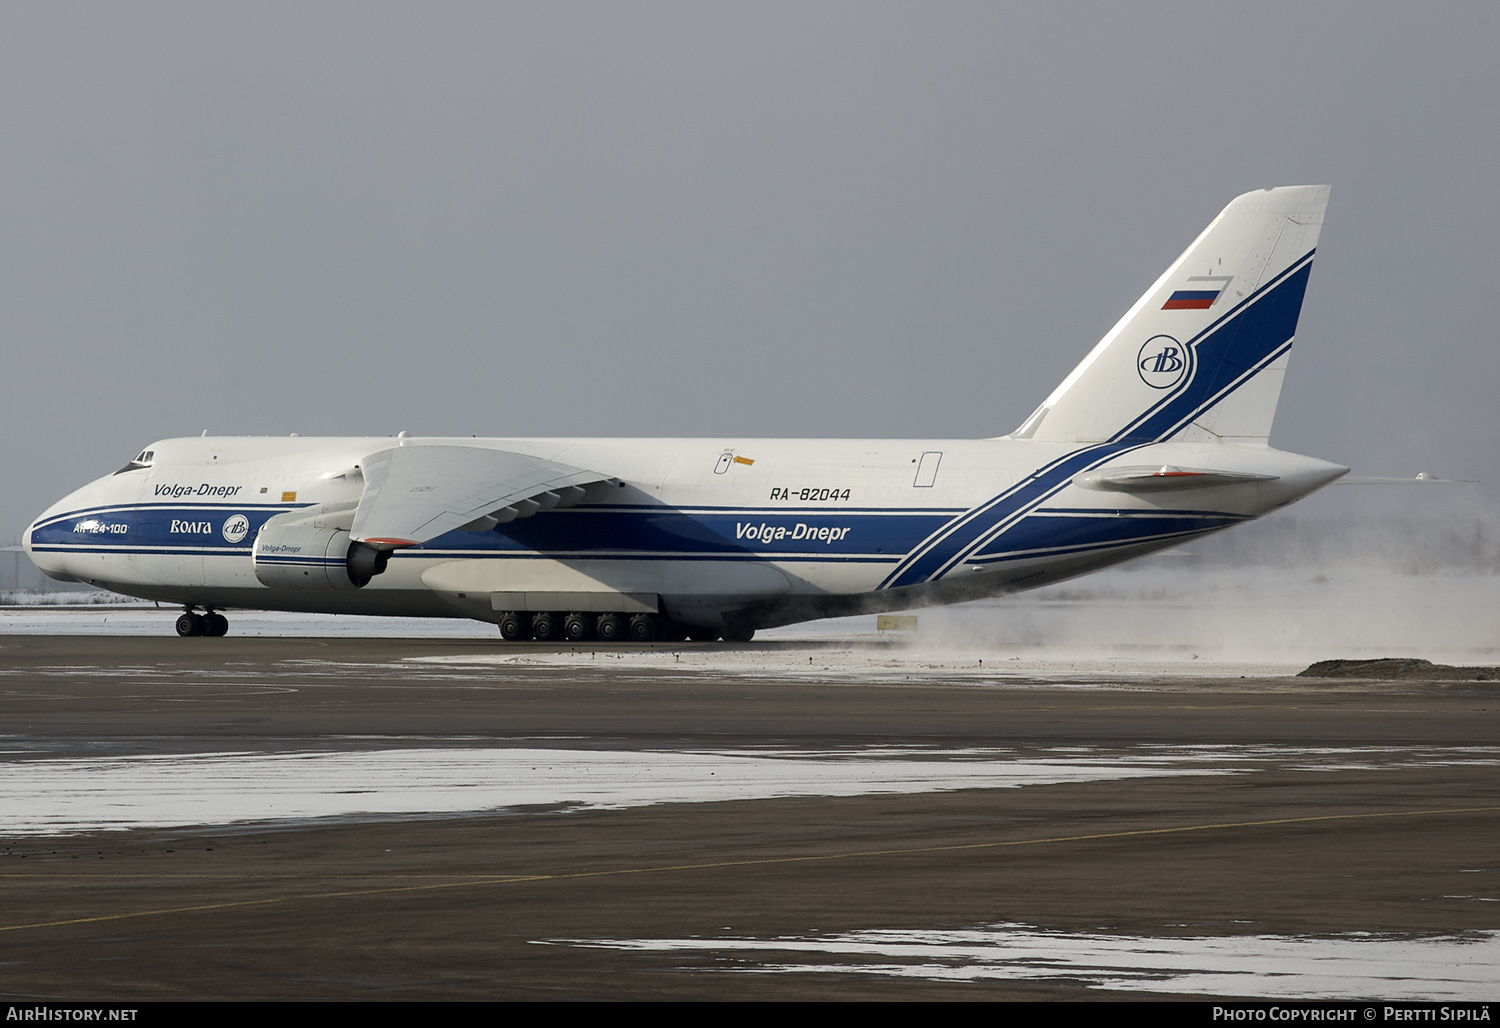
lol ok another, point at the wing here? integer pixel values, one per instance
(418, 492)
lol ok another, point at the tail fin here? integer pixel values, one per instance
(1201, 356)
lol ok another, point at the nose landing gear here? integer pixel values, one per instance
(208, 623)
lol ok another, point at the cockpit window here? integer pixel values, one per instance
(142, 460)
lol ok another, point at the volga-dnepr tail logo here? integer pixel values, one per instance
(1162, 361)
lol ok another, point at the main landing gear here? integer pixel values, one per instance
(211, 622)
(581, 626)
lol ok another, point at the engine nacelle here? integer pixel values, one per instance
(304, 551)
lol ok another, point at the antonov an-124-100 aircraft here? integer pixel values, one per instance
(1158, 437)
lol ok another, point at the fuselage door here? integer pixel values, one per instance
(927, 469)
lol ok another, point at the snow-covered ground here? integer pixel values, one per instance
(1186, 612)
(68, 796)
(1448, 967)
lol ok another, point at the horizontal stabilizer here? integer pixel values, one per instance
(1157, 479)
(418, 492)
(1423, 478)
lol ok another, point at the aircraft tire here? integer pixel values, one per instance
(513, 627)
(216, 625)
(739, 635)
(545, 626)
(189, 624)
(670, 631)
(642, 628)
(577, 627)
(610, 628)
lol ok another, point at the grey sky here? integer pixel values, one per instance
(715, 219)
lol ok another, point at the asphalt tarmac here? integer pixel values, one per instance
(1305, 810)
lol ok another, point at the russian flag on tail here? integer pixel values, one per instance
(1200, 295)
(1191, 300)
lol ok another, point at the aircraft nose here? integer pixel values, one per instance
(26, 539)
(50, 563)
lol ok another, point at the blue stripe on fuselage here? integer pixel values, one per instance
(866, 536)
(576, 531)
(668, 532)
(176, 527)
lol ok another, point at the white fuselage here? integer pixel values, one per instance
(766, 531)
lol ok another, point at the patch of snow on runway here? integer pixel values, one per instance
(1455, 967)
(72, 796)
(66, 797)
